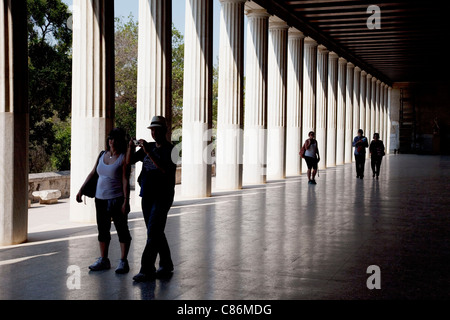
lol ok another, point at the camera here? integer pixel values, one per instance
(136, 142)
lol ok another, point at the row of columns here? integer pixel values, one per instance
(293, 85)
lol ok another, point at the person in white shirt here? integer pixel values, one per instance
(112, 200)
(311, 157)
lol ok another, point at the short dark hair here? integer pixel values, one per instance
(311, 132)
(361, 131)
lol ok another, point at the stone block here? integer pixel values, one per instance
(47, 196)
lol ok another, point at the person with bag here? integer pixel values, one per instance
(376, 150)
(310, 152)
(360, 143)
(112, 196)
(157, 182)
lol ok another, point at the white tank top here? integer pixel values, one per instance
(311, 152)
(109, 185)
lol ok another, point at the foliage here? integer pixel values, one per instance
(60, 157)
(126, 64)
(50, 76)
(177, 78)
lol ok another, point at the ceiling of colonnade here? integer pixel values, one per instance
(408, 46)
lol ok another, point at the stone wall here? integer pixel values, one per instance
(61, 182)
(47, 181)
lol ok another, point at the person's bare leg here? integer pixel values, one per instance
(124, 248)
(104, 249)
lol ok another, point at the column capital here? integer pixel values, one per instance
(257, 13)
(363, 73)
(378, 81)
(374, 79)
(278, 25)
(333, 55)
(321, 48)
(295, 33)
(310, 42)
(350, 65)
(342, 60)
(369, 76)
(357, 69)
(232, 1)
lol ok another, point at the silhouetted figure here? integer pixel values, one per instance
(157, 182)
(360, 143)
(311, 157)
(376, 150)
(112, 200)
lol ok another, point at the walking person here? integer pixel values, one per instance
(377, 152)
(157, 182)
(311, 157)
(360, 143)
(112, 200)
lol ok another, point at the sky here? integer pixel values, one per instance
(123, 8)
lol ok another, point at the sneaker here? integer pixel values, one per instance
(100, 264)
(144, 277)
(164, 273)
(309, 181)
(123, 266)
(313, 181)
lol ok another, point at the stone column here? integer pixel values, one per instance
(340, 115)
(197, 100)
(377, 107)
(368, 108)
(332, 109)
(389, 123)
(309, 89)
(362, 102)
(385, 114)
(154, 79)
(356, 107)
(255, 121)
(349, 113)
(294, 102)
(230, 101)
(92, 94)
(321, 103)
(14, 123)
(276, 97)
(373, 107)
(381, 125)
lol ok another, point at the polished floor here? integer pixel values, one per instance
(284, 240)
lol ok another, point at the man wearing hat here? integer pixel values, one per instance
(157, 182)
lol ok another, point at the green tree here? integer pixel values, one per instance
(126, 64)
(177, 78)
(126, 50)
(50, 76)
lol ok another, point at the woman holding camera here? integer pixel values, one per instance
(157, 182)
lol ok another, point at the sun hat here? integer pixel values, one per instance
(158, 121)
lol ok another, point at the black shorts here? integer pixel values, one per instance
(108, 210)
(311, 162)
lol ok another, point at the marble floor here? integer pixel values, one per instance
(285, 240)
